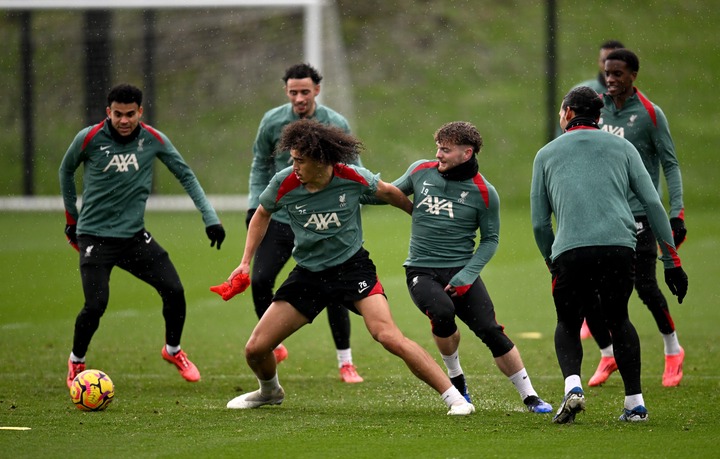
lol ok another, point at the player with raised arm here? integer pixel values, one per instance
(321, 194)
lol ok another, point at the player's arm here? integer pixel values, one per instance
(393, 196)
(671, 170)
(488, 221)
(541, 211)
(642, 186)
(256, 232)
(70, 163)
(404, 183)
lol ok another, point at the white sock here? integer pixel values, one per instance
(344, 356)
(571, 382)
(452, 362)
(452, 396)
(269, 386)
(631, 401)
(522, 383)
(76, 359)
(172, 350)
(607, 351)
(672, 345)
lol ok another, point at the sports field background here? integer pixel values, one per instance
(414, 65)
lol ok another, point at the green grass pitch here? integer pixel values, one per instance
(391, 414)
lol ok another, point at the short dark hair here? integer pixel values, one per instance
(300, 71)
(611, 44)
(125, 94)
(584, 101)
(460, 133)
(627, 56)
(321, 142)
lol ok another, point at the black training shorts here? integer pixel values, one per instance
(310, 292)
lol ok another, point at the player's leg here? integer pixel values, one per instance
(601, 335)
(376, 314)
(96, 263)
(427, 290)
(271, 256)
(615, 287)
(476, 309)
(572, 290)
(339, 321)
(145, 259)
(650, 294)
(279, 321)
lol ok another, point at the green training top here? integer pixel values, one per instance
(584, 177)
(117, 180)
(267, 161)
(446, 218)
(326, 223)
(644, 124)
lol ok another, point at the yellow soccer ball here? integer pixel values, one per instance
(92, 390)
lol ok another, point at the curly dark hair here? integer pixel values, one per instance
(300, 71)
(584, 101)
(320, 142)
(460, 133)
(125, 94)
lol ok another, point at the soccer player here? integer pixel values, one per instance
(598, 83)
(629, 114)
(451, 201)
(321, 195)
(302, 86)
(584, 177)
(117, 156)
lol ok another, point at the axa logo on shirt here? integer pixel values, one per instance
(122, 163)
(618, 131)
(323, 221)
(435, 205)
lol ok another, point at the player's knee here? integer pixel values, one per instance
(255, 351)
(390, 338)
(649, 293)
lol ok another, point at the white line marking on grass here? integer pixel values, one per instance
(531, 335)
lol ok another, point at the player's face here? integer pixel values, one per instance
(306, 169)
(124, 117)
(563, 117)
(619, 78)
(602, 58)
(302, 93)
(449, 155)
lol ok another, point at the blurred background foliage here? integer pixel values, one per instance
(397, 70)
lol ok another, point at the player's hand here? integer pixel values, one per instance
(71, 235)
(249, 217)
(677, 282)
(456, 291)
(216, 234)
(678, 230)
(552, 268)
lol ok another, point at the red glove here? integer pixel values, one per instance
(461, 290)
(227, 290)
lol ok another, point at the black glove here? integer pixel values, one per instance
(216, 234)
(71, 235)
(677, 282)
(678, 230)
(249, 217)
